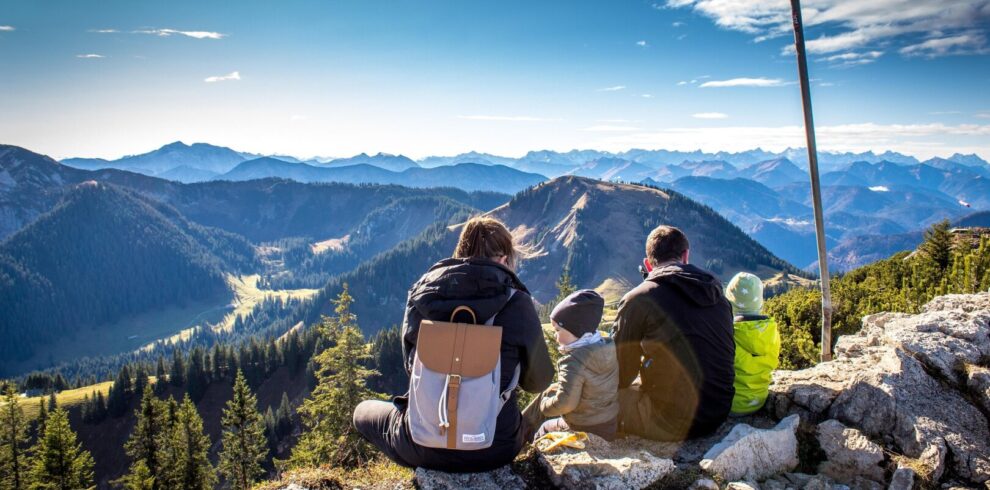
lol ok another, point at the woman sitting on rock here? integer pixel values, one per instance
(442, 426)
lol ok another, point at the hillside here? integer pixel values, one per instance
(597, 229)
(104, 253)
(29, 186)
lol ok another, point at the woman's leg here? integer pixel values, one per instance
(380, 424)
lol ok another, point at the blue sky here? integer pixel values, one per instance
(330, 78)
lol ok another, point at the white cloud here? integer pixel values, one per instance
(483, 117)
(943, 113)
(677, 24)
(682, 82)
(234, 75)
(641, 44)
(6, 28)
(615, 88)
(90, 56)
(192, 34)
(745, 82)
(982, 115)
(611, 128)
(826, 84)
(854, 24)
(969, 43)
(710, 115)
(853, 58)
(104, 31)
(920, 140)
(646, 96)
(880, 188)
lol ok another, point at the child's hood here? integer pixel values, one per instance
(598, 358)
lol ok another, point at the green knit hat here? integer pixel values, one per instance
(745, 293)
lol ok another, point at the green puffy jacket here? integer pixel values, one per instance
(757, 355)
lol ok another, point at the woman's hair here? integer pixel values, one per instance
(486, 237)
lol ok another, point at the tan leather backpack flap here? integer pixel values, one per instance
(459, 348)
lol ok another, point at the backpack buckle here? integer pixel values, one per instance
(454, 380)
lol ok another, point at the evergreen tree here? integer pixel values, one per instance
(140, 379)
(283, 417)
(938, 244)
(196, 376)
(144, 444)
(138, 478)
(244, 444)
(42, 416)
(186, 465)
(330, 438)
(565, 285)
(60, 463)
(52, 402)
(13, 441)
(161, 377)
(177, 376)
(119, 393)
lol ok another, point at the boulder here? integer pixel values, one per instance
(902, 381)
(748, 453)
(502, 478)
(978, 385)
(850, 455)
(704, 484)
(902, 479)
(603, 465)
(742, 485)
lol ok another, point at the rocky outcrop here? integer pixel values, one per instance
(748, 453)
(910, 383)
(604, 466)
(850, 455)
(502, 478)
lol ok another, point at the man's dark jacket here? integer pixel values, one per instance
(680, 323)
(484, 286)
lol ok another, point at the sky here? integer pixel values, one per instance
(106, 78)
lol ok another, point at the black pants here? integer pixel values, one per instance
(383, 424)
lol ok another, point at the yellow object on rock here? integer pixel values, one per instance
(553, 440)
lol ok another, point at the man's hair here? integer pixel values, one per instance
(665, 243)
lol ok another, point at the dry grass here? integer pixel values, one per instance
(378, 474)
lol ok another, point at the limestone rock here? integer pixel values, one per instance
(901, 381)
(502, 478)
(603, 465)
(753, 454)
(704, 484)
(978, 383)
(850, 454)
(742, 485)
(903, 479)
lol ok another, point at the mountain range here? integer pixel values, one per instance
(595, 229)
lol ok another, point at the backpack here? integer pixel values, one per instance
(454, 396)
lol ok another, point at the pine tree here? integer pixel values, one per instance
(144, 444)
(138, 478)
(177, 376)
(161, 377)
(186, 465)
(42, 416)
(60, 463)
(938, 244)
(52, 402)
(341, 375)
(196, 376)
(13, 441)
(565, 285)
(244, 444)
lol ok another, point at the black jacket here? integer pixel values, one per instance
(680, 324)
(483, 285)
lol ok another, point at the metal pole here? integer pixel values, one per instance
(816, 191)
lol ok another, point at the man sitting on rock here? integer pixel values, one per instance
(674, 343)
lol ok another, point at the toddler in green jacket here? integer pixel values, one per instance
(584, 396)
(757, 343)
